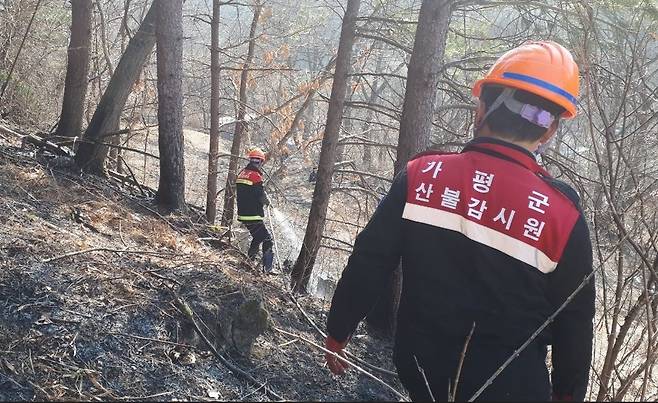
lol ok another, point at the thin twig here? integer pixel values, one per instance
(453, 394)
(532, 337)
(20, 49)
(132, 174)
(427, 384)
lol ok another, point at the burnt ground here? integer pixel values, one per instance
(100, 322)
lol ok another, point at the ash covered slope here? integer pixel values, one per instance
(102, 325)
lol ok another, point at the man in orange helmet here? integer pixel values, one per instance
(251, 201)
(488, 241)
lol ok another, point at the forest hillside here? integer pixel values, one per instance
(124, 125)
(90, 283)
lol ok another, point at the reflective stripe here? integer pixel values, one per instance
(250, 218)
(542, 84)
(479, 233)
(244, 182)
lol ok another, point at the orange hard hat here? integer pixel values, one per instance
(256, 153)
(543, 68)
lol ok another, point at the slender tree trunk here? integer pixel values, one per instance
(213, 155)
(169, 34)
(299, 115)
(77, 70)
(91, 154)
(377, 88)
(301, 272)
(240, 125)
(117, 153)
(113, 140)
(416, 123)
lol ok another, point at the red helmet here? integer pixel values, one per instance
(256, 153)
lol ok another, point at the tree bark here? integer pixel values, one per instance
(77, 70)
(301, 272)
(91, 155)
(240, 124)
(213, 155)
(416, 124)
(169, 34)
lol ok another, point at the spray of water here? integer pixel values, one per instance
(291, 244)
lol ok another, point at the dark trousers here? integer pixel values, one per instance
(259, 235)
(525, 379)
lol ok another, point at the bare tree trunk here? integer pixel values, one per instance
(77, 70)
(416, 123)
(75, 89)
(301, 272)
(91, 154)
(114, 140)
(117, 153)
(213, 154)
(169, 34)
(240, 124)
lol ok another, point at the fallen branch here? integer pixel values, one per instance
(150, 339)
(81, 252)
(145, 397)
(47, 145)
(8, 131)
(363, 371)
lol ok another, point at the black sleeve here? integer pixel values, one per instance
(375, 256)
(259, 193)
(572, 329)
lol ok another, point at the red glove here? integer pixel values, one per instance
(562, 398)
(336, 365)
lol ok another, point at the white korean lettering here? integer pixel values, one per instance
(506, 221)
(423, 192)
(476, 208)
(436, 166)
(482, 181)
(536, 202)
(450, 198)
(533, 228)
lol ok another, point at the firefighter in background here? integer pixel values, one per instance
(251, 201)
(488, 241)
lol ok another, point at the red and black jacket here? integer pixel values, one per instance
(484, 236)
(250, 194)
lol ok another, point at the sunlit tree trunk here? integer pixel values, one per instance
(416, 123)
(301, 272)
(169, 33)
(211, 198)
